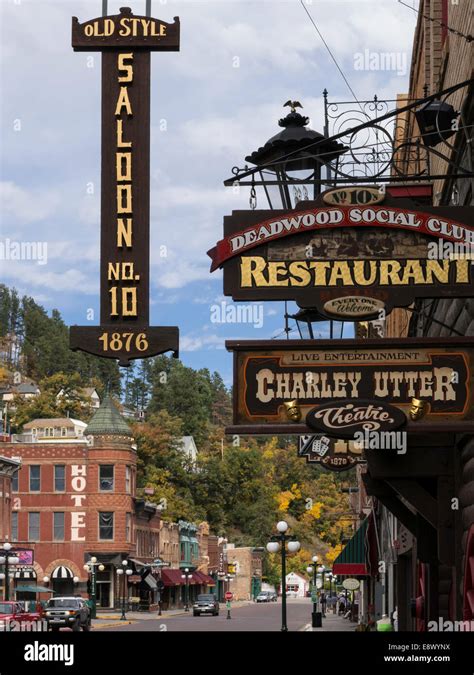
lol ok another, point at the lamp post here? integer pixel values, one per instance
(8, 557)
(122, 573)
(228, 578)
(91, 568)
(186, 575)
(316, 617)
(279, 542)
(322, 571)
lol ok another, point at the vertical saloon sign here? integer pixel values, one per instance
(125, 42)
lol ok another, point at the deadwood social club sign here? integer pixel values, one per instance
(325, 251)
(272, 379)
(125, 42)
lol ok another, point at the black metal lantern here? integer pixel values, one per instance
(305, 318)
(293, 158)
(436, 121)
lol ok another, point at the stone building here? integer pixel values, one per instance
(246, 562)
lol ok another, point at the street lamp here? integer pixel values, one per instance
(187, 575)
(8, 557)
(122, 573)
(279, 542)
(91, 568)
(316, 617)
(228, 578)
(322, 572)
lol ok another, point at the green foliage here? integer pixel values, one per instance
(72, 402)
(38, 345)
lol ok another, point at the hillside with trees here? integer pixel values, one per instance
(241, 485)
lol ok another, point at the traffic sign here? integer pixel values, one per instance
(229, 595)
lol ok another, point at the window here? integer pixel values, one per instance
(15, 478)
(34, 432)
(59, 477)
(58, 526)
(106, 477)
(35, 478)
(33, 526)
(183, 552)
(128, 527)
(63, 431)
(128, 479)
(106, 525)
(14, 527)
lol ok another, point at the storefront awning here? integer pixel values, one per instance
(171, 577)
(204, 579)
(353, 560)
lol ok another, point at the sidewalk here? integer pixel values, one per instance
(332, 623)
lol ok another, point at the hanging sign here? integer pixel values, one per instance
(345, 418)
(321, 253)
(332, 454)
(125, 42)
(376, 382)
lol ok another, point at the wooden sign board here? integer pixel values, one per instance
(320, 253)
(125, 42)
(334, 455)
(270, 375)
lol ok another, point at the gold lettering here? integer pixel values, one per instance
(124, 199)
(120, 142)
(275, 269)
(113, 272)
(124, 166)
(123, 102)
(129, 301)
(251, 272)
(340, 271)
(359, 273)
(389, 272)
(462, 271)
(124, 232)
(125, 28)
(438, 269)
(128, 68)
(299, 274)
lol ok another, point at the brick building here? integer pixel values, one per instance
(434, 565)
(8, 468)
(75, 499)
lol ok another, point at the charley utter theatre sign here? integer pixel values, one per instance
(125, 42)
(320, 253)
(294, 386)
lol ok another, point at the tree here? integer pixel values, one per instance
(72, 403)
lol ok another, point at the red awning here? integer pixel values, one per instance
(204, 579)
(171, 577)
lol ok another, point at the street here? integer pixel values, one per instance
(252, 617)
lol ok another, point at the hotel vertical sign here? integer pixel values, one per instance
(125, 42)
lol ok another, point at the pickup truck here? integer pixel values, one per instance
(67, 612)
(13, 613)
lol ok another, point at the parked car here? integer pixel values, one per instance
(11, 611)
(273, 596)
(69, 612)
(206, 604)
(263, 596)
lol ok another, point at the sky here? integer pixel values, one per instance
(213, 103)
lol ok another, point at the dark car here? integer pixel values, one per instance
(206, 604)
(68, 612)
(273, 596)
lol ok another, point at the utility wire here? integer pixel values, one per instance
(330, 53)
(468, 38)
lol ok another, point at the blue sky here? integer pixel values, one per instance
(213, 103)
